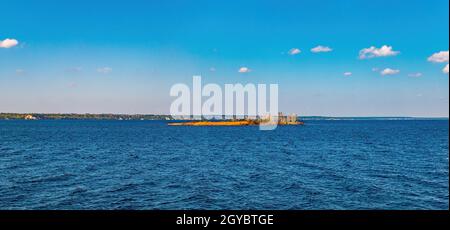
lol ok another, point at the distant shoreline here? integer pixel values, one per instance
(75, 116)
(87, 116)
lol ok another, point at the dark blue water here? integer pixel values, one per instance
(148, 165)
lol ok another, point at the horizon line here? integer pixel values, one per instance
(156, 114)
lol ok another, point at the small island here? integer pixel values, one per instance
(268, 120)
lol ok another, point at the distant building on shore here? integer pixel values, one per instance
(30, 117)
(287, 120)
(292, 119)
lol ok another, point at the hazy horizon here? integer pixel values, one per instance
(300, 115)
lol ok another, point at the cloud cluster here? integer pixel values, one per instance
(244, 70)
(373, 52)
(294, 51)
(440, 57)
(321, 49)
(366, 53)
(8, 43)
(389, 71)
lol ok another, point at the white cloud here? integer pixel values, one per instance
(20, 71)
(373, 52)
(375, 69)
(440, 57)
(244, 70)
(319, 49)
(348, 74)
(389, 71)
(104, 70)
(212, 69)
(8, 43)
(415, 75)
(294, 51)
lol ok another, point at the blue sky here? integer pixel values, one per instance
(123, 56)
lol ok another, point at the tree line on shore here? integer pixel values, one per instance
(42, 116)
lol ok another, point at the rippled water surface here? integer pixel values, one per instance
(148, 165)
